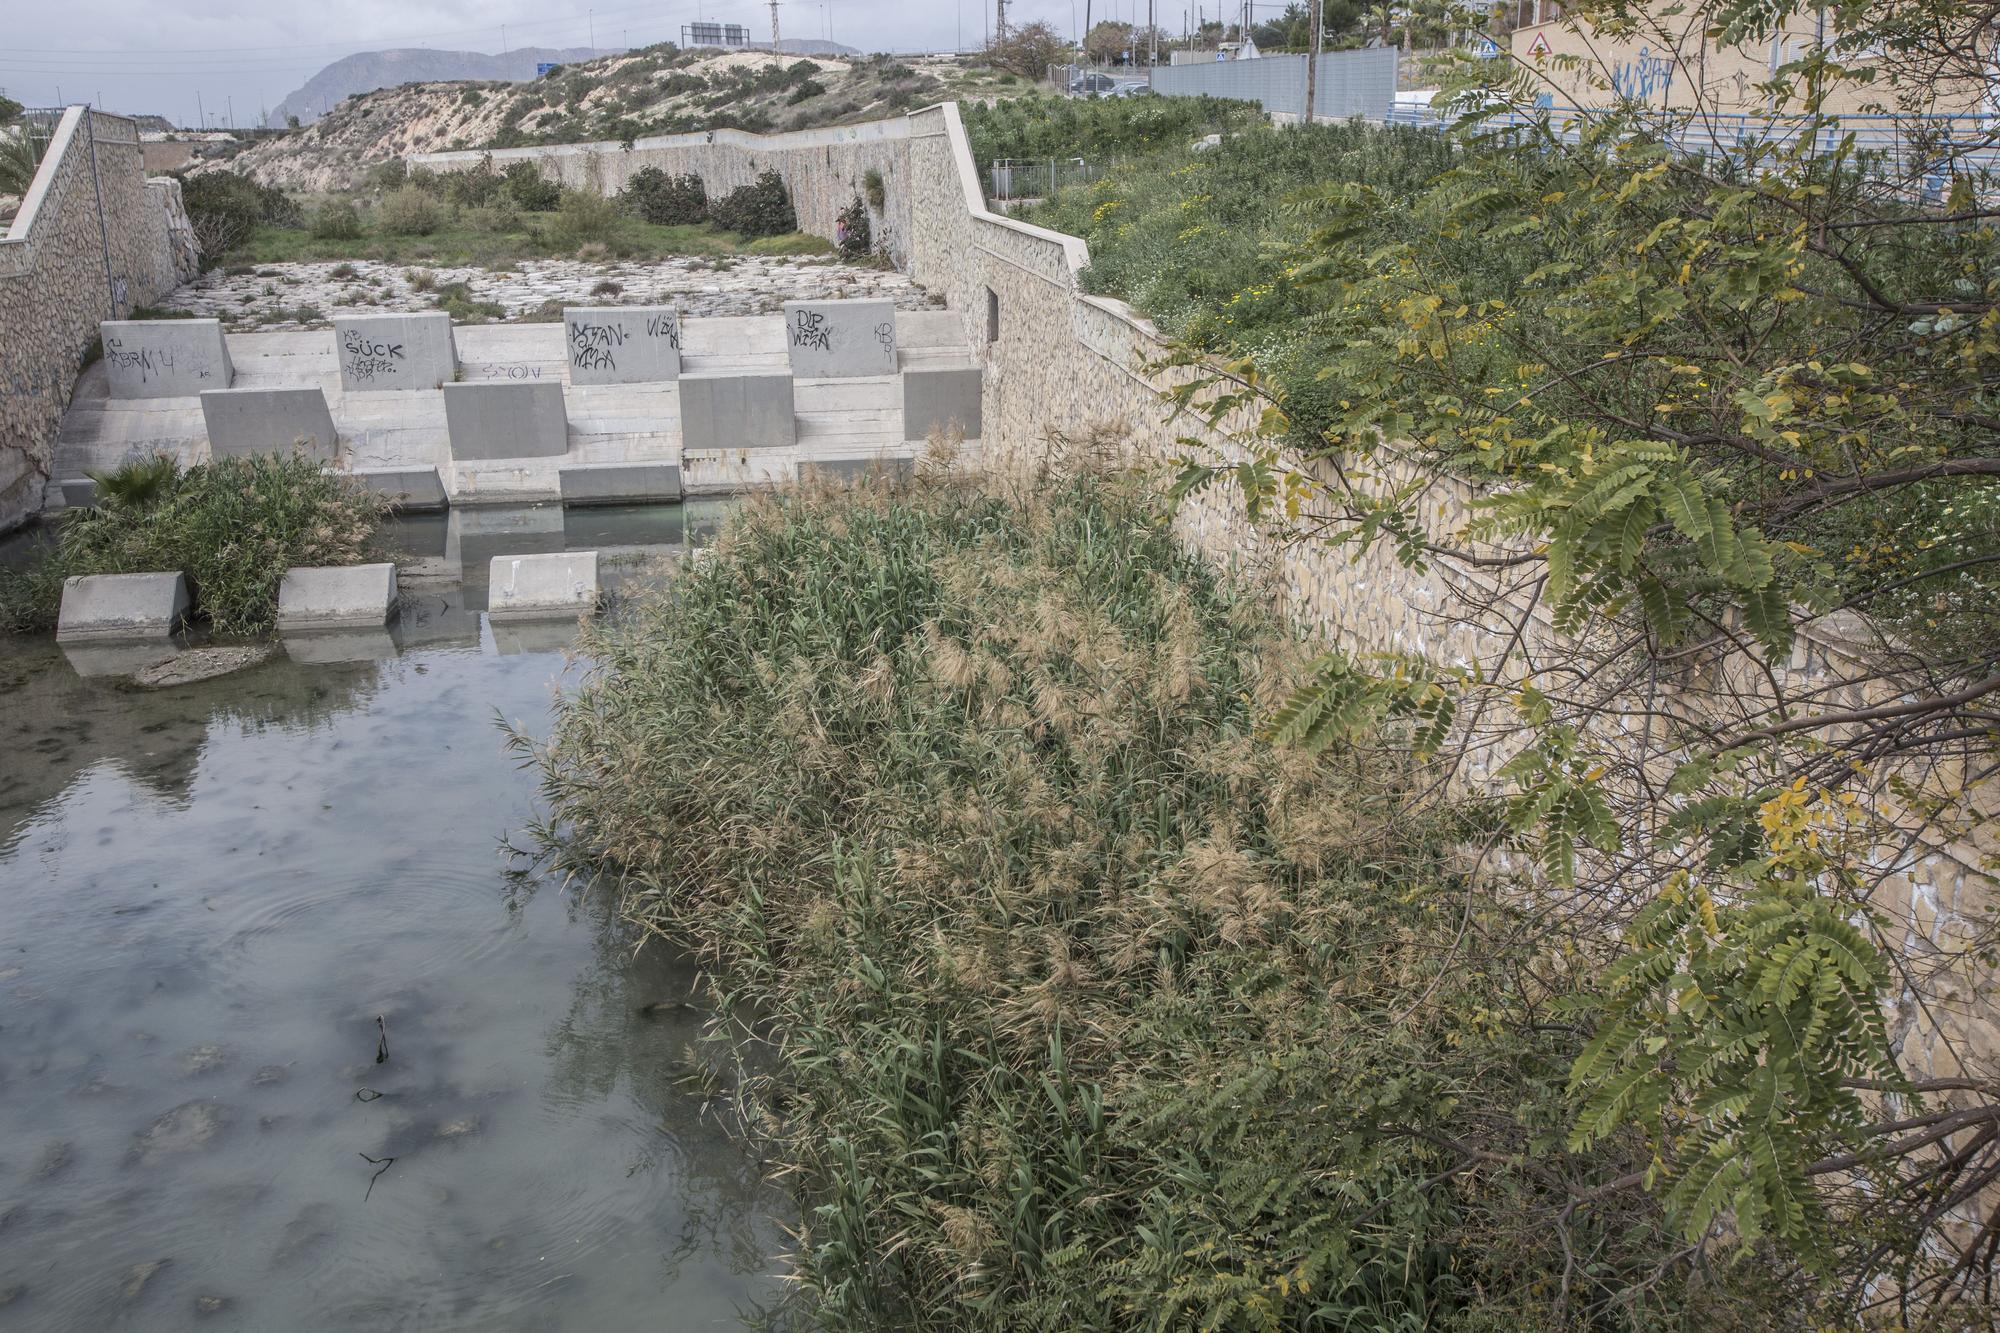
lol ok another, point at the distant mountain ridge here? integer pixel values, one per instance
(366, 71)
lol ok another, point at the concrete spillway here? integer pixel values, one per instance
(570, 440)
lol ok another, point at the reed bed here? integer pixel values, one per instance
(1061, 999)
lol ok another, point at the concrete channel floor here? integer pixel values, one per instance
(838, 419)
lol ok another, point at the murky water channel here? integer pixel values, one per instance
(211, 893)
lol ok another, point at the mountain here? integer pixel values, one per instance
(369, 70)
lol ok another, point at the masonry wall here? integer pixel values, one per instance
(825, 169)
(94, 239)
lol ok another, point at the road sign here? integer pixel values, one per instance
(1486, 49)
(1540, 46)
(542, 69)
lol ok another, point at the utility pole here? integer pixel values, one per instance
(774, 25)
(1312, 61)
(1152, 37)
(999, 22)
(200, 112)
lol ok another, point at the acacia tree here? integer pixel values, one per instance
(1028, 50)
(1720, 409)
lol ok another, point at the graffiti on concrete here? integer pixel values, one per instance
(810, 328)
(365, 357)
(1640, 78)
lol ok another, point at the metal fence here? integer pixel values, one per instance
(1010, 178)
(1926, 152)
(1351, 83)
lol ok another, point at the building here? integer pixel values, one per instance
(1677, 66)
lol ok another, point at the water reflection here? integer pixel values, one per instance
(213, 894)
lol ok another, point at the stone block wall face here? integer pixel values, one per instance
(825, 169)
(90, 244)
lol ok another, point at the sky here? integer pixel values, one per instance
(156, 56)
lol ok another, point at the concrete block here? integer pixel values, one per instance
(121, 606)
(835, 339)
(850, 470)
(408, 488)
(514, 637)
(622, 344)
(506, 420)
(933, 399)
(620, 483)
(242, 422)
(324, 647)
(336, 597)
(737, 412)
(525, 587)
(394, 351)
(164, 358)
(78, 492)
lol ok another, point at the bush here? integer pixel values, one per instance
(336, 222)
(409, 212)
(233, 526)
(390, 175)
(760, 209)
(873, 186)
(583, 217)
(665, 200)
(811, 88)
(853, 232)
(472, 189)
(226, 209)
(1095, 1001)
(529, 189)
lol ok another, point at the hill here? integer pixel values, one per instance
(657, 90)
(369, 70)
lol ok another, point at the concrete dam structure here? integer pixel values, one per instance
(613, 405)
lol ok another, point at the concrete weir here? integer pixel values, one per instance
(334, 597)
(114, 607)
(737, 412)
(622, 344)
(244, 422)
(506, 420)
(531, 587)
(164, 358)
(940, 399)
(378, 352)
(412, 489)
(841, 339)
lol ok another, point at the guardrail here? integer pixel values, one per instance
(1923, 151)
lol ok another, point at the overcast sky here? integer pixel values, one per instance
(154, 55)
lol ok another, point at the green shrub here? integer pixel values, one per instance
(233, 526)
(390, 175)
(668, 201)
(529, 189)
(811, 88)
(872, 186)
(1110, 1014)
(342, 272)
(760, 209)
(584, 216)
(226, 209)
(336, 221)
(472, 189)
(409, 211)
(853, 229)
(456, 299)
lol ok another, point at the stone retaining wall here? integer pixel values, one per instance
(94, 239)
(825, 169)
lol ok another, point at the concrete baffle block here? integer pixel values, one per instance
(934, 399)
(620, 483)
(407, 488)
(622, 344)
(164, 358)
(841, 339)
(737, 412)
(395, 351)
(243, 422)
(494, 419)
(121, 606)
(530, 587)
(320, 597)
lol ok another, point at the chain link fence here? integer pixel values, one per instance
(1014, 178)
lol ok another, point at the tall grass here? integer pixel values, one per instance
(233, 526)
(1075, 1004)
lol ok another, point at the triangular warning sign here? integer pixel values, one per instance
(1540, 46)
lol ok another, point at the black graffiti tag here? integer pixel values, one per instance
(811, 329)
(885, 333)
(664, 326)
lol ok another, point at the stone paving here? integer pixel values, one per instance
(310, 295)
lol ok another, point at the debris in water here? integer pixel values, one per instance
(382, 1045)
